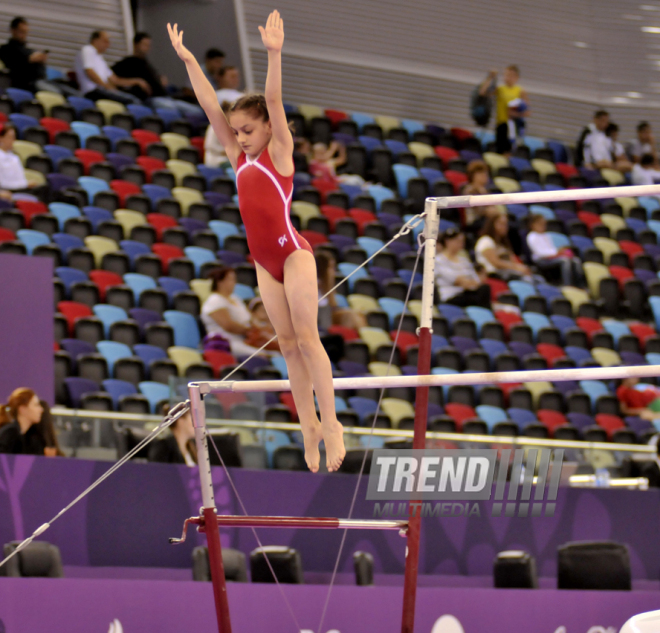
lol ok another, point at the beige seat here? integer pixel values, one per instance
(536, 389)
(100, 246)
(49, 99)
(129, 220)
(25, 149)
(506, 185)
(184, 357)
(108, 108)
(378, 368)
(202, 288)
(613, 176)
(576, 296)
(421, 151)
(180, 169)
(374, 337)
(544, 167)
(305, 211)
(495, 161)
(310, 111)
(174, 142)
(397, 409)
(35, 178)
(186, 197)
(362, 303)
(595, 273)
(607, 246)
(387, 123)
(627, 204)
(606, 357)
(613, 222)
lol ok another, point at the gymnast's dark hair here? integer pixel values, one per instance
(254, 105)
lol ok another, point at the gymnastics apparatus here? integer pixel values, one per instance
(209, 521)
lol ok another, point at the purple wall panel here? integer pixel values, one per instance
(26, 325)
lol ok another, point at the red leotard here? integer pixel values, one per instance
(265, 203)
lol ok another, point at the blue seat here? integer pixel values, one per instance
(654, 302)
(480, 316)
(272, 440)
(558, 149)
(407, 276)
(379, 194)
(186, 330)
(493, 347)
(652, 358)
(80, 103)
(280, 364)
(519, 164)
(139, 111)
(223, 230)
(651, 204)
(138, 284)
(371, 245)
(432, 175)
(533, 143)
(362, 119)
(485, 137)
(168, 115)
(63, 212)
(520, 211)
(115, 133)
(451, 312)
(536, 321)
(437, 371)
(84, 130)
(522, 290)
(154, 392)
(541, 209)
(70, 276)
(18, 95)
(144, 317)
(402, 174)
(92, 185)
(559, 240)
(393, 308)
(522, 417)
(31, 239)
(411, 126)
(491, 415)
(22, 121)
(149, 353)
(118, 389)
(369, 143)
(346, 269)
(528, 186)
(616, 328)
(594, 389)
(156, 193)
(172, 285)
(636, 224)
(109, 314)
(77, 387)
(96, 215)
(134, 249)
(396, 147)
(244, 292)
(362, 406)
(77, 347)
(654, 225)
(57, 153)
(112, 352)
(199, 256)
(66, 242)
(438, 342)
(210, 173)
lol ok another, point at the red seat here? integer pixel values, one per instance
(631, 249)
(314, 238)
(336, 116)
(53, 126)
(324, 186)
(103, 279)
(123, 189)
(73, 310)
(550, 352)
(404, 341)
(497, 287)
(150, 165)
(621, 274)
(566, 170)
(589, 218)
(590, 326)
(460, 133)
(6, 235)
(30, 208)
(362, 217)
(457, 179)
(642, 332)
(145, 138)
(445, 154)
(347, 333)
(3, 117)
(198, 142)
(507, 319)
(89, 157)
(609, 422)
(460, 413)
(551, 419)
(333, 214)
(160, 222)
(287, 400)
(167, 252)
(218, 359)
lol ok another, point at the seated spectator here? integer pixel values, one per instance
(329, 311)
(225, 314)
(261, 329)
(493, 251)
(20, 433)
(620, 160)
(644, 404)
(214, 60)
(477, 185)
(12, 173)
(48, 432)
(214, 151)
(177, 448)
(27, 67)
(228, 80)
(643, 144)
(325, 159)
(96, 79)
(456, 278)
(593, 146)
(547, 257)
(646, 172)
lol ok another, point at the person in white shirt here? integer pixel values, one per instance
(643, 144)
(225, 313)
(12, 174)
(620, 160)
(229, 78)
(645, 172)
(95, 78)
(547, 257)
(593, 141)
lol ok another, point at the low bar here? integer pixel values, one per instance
(561, 195)
(319, 523)
(441, 380)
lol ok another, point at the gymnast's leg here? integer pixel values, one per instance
(275, 302)
(301, 289)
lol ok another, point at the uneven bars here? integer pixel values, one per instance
(323, 523)
(531, 197)
(444, 380)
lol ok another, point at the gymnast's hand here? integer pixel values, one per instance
(273, 35)
(176, 37)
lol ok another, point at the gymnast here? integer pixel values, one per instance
(259, 146)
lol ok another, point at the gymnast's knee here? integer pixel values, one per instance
(288, 346)
(308, 341)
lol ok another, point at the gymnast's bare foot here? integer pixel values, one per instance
(312, 436)
(333, 438)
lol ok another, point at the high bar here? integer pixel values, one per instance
(442, 380)
(323, 523)
(531, 197)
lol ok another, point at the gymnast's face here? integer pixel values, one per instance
(252, 134)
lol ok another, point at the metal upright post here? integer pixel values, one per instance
(209, 511)
(421, 408)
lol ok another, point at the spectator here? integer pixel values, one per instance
(643, 144)
(456, 278)
(512, 109)
(12, 174)
(645, 173)
(20, 433)
(477, 185)
(261, 329)
(330, 313)
(27, 67)
(325, 159)
(620, 160)
(177, 448)
(214, 60)
(481, 100)
(547, 257)
(593, 145)
(96, 79)
(493, 250)
(137, 65)
(214, 151)
(48, 432)
(225, 314)
(229, 79)
(644, 403)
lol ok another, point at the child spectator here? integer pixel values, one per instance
(643, 144)
(512, 109)
(493, 251)
(261, 329)
(620, 160)
(645, 172)
(329, 311)
(477, 185)
(644, 403)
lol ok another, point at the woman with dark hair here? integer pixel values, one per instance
(179, 447)
(20, 433)
(457, 280)
(47, 430)
(224, 313)
(477, 185)
(493, 251)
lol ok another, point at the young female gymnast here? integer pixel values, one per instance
(259, 146)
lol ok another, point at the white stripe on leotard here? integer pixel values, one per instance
(286, 200)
